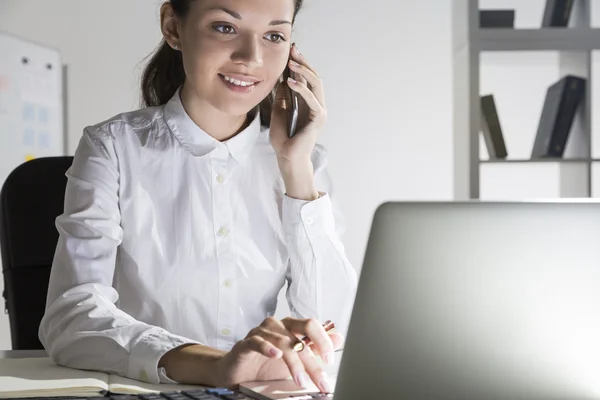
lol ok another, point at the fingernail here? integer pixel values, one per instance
(275, 352)
(302, 379)
(329, 358)
(294, 63)
(324, 383)
(291, 80)
(297, 51)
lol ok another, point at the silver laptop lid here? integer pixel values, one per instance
(477, 300)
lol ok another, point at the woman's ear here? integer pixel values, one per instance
(169, 24)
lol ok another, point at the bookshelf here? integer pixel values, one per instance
(543, 39)
(573, 44)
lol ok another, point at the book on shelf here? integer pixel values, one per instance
(491, 128)
(41, 377)
(557, 13)
(562, 101)
(496, 18)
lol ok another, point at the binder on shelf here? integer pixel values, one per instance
(491, 128)
(557, 13)
(563, 98)
(496, 18)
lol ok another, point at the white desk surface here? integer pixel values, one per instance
(23, 353)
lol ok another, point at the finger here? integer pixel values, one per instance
(274, 325)
(311, 77)
(298, 77)
(317, 84)
(337, 340)
(303, 366)
(308, 96)
(285, 343)
(259, 345)
(315, 331)
(298, 57)
(319, 377)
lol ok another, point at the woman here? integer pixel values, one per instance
(183, 220)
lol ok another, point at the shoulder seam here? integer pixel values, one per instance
(125, 122)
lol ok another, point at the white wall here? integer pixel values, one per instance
(386, 66)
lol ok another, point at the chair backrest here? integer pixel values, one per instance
(31, 198)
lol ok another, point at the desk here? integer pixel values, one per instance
(23, 353)
(14, 354)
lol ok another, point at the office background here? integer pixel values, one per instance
(387, 68)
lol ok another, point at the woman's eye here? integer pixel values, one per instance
(275, 37)
(225, 29)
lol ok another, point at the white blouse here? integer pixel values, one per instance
(170, 237)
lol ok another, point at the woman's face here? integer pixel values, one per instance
(234, 51)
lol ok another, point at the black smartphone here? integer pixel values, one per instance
(293, 109)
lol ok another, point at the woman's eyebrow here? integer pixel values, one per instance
(228, 11)
(279, 22)
(238, 16)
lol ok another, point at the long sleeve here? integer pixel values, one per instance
(82, 327)
(321, 281)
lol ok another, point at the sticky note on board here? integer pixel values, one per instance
(29, 137)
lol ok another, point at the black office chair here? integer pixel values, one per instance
(31, 198)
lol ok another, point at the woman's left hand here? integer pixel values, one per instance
(312, 113)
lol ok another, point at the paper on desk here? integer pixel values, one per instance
(41, 377)
(121, 385)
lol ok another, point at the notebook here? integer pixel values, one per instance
(41, 377)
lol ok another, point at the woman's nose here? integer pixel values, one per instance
(249, 53)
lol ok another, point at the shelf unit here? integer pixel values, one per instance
(574, 45)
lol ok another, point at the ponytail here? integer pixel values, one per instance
(163, 75)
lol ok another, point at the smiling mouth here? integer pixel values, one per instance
(238, 82)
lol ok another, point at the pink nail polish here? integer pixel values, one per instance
(291, 80)
(324, 383)
(302, 379)
(275, 352)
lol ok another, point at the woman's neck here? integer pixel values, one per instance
(216, 123)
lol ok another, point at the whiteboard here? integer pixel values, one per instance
(31, 102)
(31, 114)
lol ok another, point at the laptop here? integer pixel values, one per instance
(475, 300)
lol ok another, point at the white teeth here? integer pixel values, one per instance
(237, 82)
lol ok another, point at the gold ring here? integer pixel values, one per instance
(298, 347)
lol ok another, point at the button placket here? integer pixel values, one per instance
(224, 250)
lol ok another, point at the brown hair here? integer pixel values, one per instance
(164, 73)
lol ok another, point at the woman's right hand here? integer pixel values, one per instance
(267, 353)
